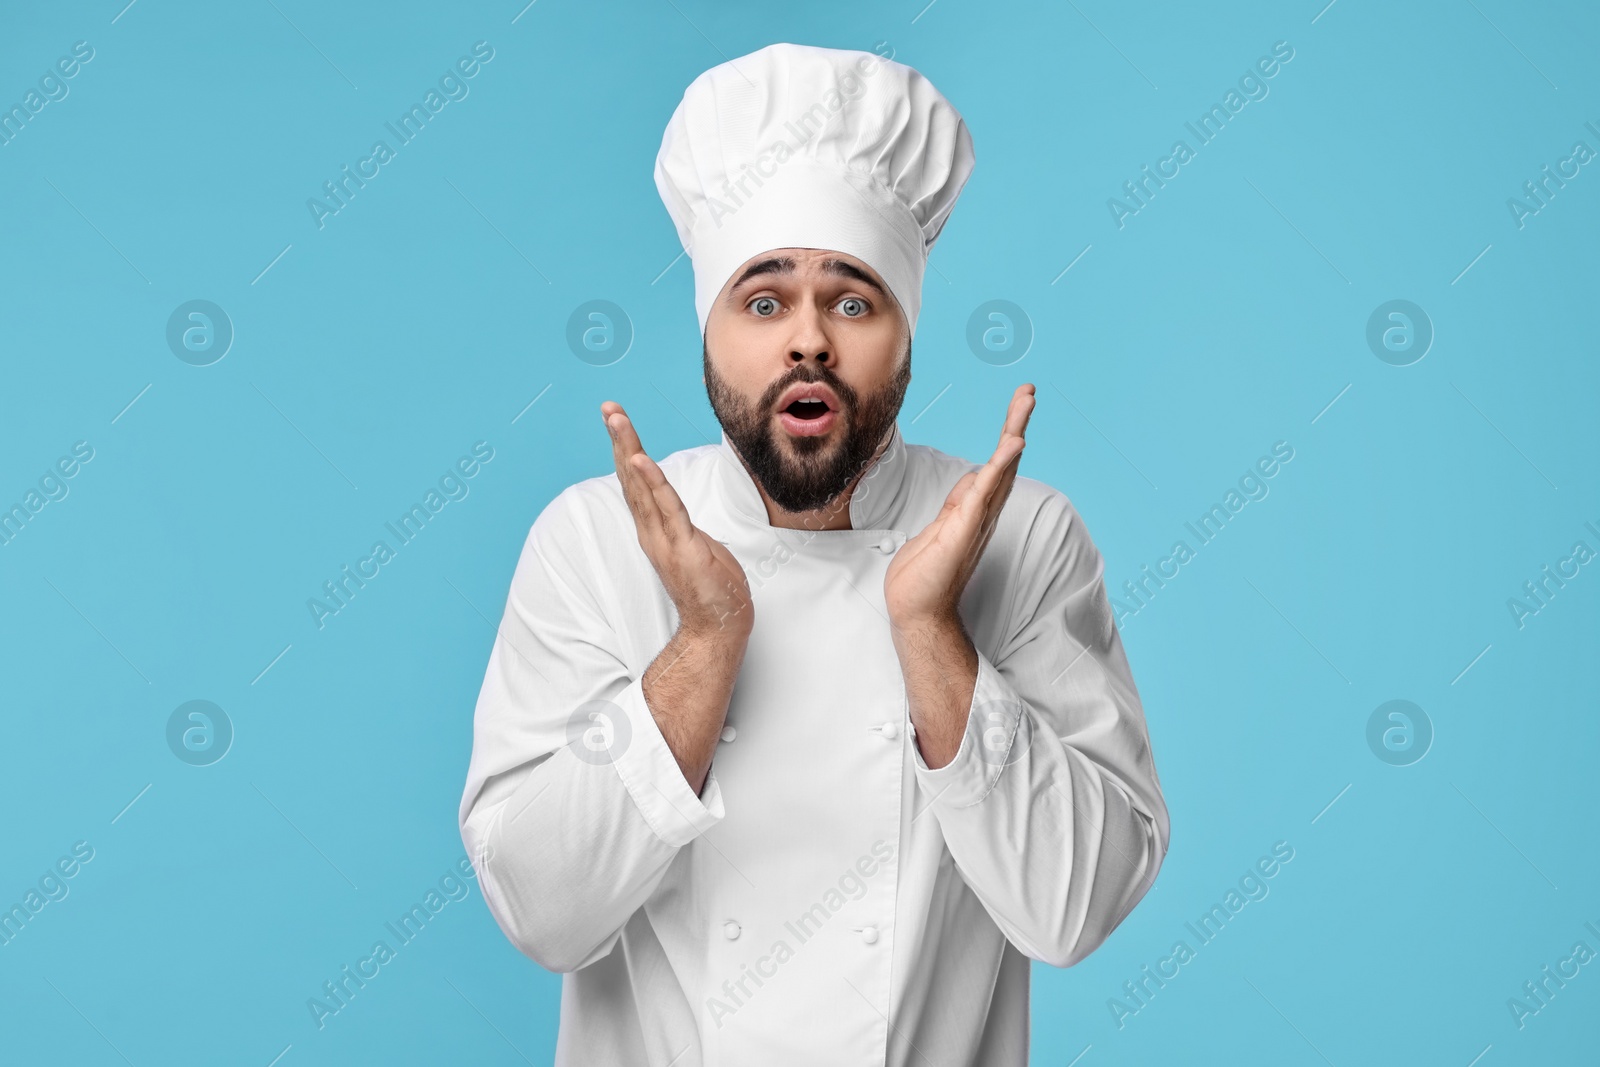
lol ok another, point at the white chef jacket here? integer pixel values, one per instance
(827, 899)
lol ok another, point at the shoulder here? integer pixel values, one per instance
(584, 544)
(1040, 538)
(594, 511)
(1032, 505)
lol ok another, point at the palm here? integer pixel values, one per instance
(926, 578)
(706, 583)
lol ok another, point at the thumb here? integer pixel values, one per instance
(962, 487)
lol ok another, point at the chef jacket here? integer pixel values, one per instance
(827, 898)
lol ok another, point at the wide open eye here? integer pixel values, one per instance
(853, 307)
(764, 306)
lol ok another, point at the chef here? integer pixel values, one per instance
(796, 749)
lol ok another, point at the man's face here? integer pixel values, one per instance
(814, 323)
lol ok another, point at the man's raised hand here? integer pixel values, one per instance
(929, 573)
(704, 580)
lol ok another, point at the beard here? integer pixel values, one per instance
(805, 473)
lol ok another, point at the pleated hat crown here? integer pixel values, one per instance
(805, 147)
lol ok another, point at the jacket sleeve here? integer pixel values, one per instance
(1051, 808)
(574, 804)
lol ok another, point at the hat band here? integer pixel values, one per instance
(806, 204)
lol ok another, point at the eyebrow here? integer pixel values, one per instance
(785, 265)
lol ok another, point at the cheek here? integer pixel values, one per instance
(870, 356)
(736, 339)
(740, 370)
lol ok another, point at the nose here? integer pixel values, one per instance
(809, 339)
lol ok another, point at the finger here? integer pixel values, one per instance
(1018, 413)
(624, 446)
(1007, 477)
(974, 494)
(1008, 473)
(970, 508)
(1007, 457)
(620, 446)
(624, 438)
(996, 505)
(669, 506)
(1020, 410)
(977, 484)
(959, 491)
(983, 501)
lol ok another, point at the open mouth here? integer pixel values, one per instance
(810, 414)
(807, 409)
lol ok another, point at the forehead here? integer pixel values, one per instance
(804, 263)
(805, 257)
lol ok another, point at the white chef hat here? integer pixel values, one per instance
(794, 146)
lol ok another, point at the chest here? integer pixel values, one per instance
(817, 721)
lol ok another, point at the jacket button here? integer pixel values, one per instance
(891, 730)
(729, 733)
(730, 930)
(869, 934)
(886, 545)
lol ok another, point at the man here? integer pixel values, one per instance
(795, 749)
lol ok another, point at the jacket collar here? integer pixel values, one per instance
(877, 503)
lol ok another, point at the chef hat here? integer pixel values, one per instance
(794, 146)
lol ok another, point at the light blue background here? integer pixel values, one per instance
(1225, 316)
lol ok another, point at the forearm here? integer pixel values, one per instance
(687, 688)
(1058, 850)
(1058, 841)
(582, 839)
(940, 666)
(566, 860)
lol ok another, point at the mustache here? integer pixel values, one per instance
(805, 373)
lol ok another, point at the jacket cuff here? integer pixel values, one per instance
(653, 778)
(995, 723)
